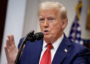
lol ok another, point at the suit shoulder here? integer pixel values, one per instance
(28, 42)
(20, 41)
(78, 46)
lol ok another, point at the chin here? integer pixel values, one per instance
(47, 37)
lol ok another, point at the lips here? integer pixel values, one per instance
(46, 31)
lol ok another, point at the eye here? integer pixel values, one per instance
(41, 19)
(50, 19)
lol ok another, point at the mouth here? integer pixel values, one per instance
(46, 31)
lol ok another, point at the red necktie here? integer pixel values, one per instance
(46, 58)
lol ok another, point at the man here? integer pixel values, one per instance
(54, 48)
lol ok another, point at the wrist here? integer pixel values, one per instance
(10, 63)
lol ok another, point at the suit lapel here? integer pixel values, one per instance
(63, 49)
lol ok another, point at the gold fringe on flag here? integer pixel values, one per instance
(78, 6)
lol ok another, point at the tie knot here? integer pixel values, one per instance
(49, 46)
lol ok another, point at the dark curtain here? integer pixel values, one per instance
(3, 8)
(87, 43)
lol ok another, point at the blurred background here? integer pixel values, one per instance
(19, 17)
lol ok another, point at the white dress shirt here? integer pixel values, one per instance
(53, 51)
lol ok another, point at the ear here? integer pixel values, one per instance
(64, 23)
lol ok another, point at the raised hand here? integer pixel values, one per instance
(10, 49)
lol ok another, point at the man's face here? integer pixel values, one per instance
(50, 24)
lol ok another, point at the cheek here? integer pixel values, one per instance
(41, 27)
(55, 28)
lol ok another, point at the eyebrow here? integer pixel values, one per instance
(47, 16)
(40, 17)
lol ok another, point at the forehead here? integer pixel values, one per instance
(48, 12)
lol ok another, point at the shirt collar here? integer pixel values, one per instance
(55, 44)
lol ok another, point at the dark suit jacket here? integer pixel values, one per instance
(76, 53)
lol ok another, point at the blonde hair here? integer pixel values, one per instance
(57, 6)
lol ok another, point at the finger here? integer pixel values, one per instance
(8, 36)
(6, 50)
(5, 47)
(12, 39)
(7, 42)
(23, 46)
(22, 49)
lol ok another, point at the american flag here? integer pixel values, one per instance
(75, 32)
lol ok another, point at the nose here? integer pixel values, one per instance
(46, 23)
